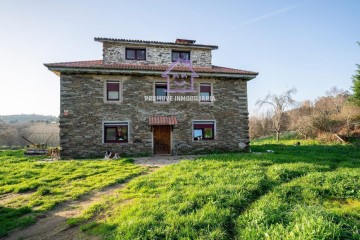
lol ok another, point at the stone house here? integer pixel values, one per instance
(150, 97)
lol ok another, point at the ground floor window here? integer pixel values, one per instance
(116, 132)
(203, 130)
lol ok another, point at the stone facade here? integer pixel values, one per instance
(155, 55)
(86, 111)
(82, 96)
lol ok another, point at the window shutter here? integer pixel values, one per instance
(113, 86)
(161, 84)
(205, 88)
(203, 126)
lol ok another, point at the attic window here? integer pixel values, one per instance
(135, 54)
(184, 55)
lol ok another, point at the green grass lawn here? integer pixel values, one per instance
(297, 192)
(29, 187)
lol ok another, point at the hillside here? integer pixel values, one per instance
(18, 118)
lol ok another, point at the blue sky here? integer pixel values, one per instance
(309, 45)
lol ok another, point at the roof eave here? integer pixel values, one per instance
(59, 70)
(164, 44)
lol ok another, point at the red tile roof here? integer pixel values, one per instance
(188, 44)
(98, 64)
(162, 120)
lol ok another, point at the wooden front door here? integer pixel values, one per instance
(161, 139)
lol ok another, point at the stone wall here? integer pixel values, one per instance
(81, 132)
(115, 53)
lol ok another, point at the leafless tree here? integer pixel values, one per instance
(338, 97)
(301, 119)
(7, 134)
(348, 115)
(327, 110)
(278, 104)
(260, 125)
(37, 132)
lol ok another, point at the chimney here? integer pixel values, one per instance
(185, 41)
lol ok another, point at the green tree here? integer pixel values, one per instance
(356, 86)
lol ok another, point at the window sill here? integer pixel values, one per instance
(135, 59)
(203, 140)
(113, 102)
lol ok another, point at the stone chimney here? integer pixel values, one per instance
(185, 41)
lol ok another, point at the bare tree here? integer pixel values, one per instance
(349, 113)
(328, 109)
(7, 134)
(278, 104)
(301, 119)
(259, 125)
(338, 97)
(37, 132)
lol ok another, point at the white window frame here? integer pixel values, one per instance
(167, 93)
(211, 92)
(199, 121)
(115, 123)
(120, 91)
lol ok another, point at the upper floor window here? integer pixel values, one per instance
(185, 55)
(113, 91)
(116, 132)
(203, 130)
(205, 92)
(135, 54)
(160, 92)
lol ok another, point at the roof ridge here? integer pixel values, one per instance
(104, 39)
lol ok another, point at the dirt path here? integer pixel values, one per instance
(53, 225)
(159, 161)
(9, 197)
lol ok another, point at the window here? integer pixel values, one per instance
(116, 132)
(160, 92)
(205, 92)
(112, 91)
(203, 130)
(180, 54)
(135, 54)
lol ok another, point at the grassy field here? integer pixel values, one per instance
(297, 192)
(29, 186)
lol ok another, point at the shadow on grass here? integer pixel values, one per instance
(11, 218)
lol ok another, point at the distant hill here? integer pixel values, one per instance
(19, 118)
